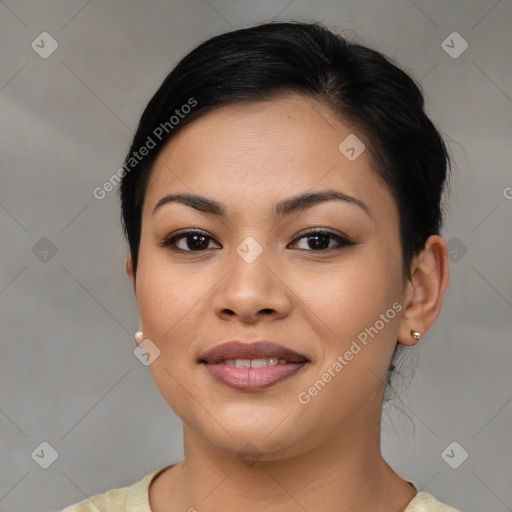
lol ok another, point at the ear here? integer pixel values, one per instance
(129, 271)
(424, 291)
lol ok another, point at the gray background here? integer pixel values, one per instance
(68, 373)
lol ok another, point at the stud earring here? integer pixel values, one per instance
(138, 336)
(415, 335)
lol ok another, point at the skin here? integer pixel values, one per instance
(249, 157)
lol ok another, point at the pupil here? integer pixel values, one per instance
(198, 246)
(320, 245)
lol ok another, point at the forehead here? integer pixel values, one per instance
(247, 154)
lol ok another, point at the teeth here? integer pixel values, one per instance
(258, 363)
(255, 363)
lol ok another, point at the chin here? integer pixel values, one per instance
(267, 437)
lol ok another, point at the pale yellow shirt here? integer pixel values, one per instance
(135, 498)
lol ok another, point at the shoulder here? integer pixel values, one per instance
(425, 502)
(132, 498)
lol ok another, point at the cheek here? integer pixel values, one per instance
(355, 308)
(350, 297)
(166, 293)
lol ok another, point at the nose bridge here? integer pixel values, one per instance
(252, 285)
(252, 263)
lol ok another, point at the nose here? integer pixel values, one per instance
(252, 292)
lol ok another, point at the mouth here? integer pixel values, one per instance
(252, 366)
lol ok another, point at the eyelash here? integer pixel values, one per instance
(170, 242)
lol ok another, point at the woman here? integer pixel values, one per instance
(281, 200)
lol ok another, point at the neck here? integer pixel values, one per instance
(344, 473)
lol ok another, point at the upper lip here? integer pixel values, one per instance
(255, 350)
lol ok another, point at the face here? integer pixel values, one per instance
(323, 279)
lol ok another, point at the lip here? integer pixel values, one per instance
(252, 379)
(255, 350)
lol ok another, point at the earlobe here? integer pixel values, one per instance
(423, 295)
(129, 271)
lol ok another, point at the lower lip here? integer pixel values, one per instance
(252, 379)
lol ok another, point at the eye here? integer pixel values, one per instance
(318, 240)
(199, 241)
(196, 241)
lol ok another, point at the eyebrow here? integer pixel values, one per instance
(294, 204)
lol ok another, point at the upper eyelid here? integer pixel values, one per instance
(302, 233)
(173, 237)
(326, 231)
(309, 231)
